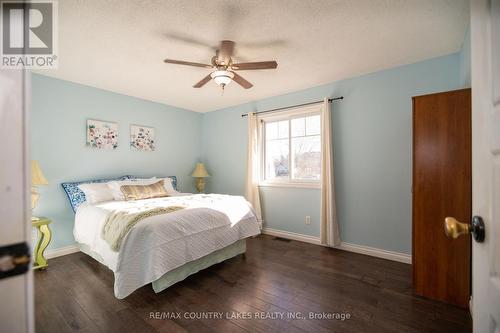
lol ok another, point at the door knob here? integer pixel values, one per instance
(454, 229)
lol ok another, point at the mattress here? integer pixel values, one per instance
(162, 243)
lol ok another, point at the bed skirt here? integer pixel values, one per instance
(192, 267)
(180, 273)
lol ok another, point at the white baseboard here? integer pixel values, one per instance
(361, 249)
(292, 235)
(62, 251)
(374, 252)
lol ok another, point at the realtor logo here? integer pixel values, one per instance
(29, 34)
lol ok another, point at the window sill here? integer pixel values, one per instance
(292, 185)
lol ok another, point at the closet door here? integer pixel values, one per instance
(442, 187)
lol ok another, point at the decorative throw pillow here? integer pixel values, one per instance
(97, 192)
(168, 184)
(173, 178)
(137, 192)
(76, 196)
(115, 186)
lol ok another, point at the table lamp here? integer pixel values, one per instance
(200, 173)
(37, 178)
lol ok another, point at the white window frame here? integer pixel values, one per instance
(292, 113)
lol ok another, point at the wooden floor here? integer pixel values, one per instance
(275, 277)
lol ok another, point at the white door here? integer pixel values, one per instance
(16, 292)
(485, 59)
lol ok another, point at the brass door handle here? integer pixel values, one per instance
(454, 229)
(8, 263)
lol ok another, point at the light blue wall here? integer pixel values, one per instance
(371, 133)
(465, 68)
(60, 110)
(286, 209)
(372, 147)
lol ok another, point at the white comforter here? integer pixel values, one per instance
(162, 243)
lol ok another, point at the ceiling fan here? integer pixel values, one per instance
(224, 68)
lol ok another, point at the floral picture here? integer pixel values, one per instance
(102, 134)
(142, 138)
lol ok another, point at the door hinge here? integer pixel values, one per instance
(14, 260)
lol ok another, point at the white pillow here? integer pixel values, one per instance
(169, 188)
(96, 192)
(116, 192)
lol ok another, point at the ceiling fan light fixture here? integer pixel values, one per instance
(222, 77)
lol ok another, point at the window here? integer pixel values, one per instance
(291, 145)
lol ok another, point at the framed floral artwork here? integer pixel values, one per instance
(142, 138)
(102, 134)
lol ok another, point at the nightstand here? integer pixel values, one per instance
(44, 237)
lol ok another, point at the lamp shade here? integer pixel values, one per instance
(200, 171)
(37, 177)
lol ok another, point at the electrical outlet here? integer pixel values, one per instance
(308, 220)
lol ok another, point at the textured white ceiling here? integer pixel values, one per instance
(119, 45)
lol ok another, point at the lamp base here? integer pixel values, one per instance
(200, 184)
(34, 197)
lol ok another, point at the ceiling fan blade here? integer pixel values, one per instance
(241, 81)
(255, 65)
(184, 38)
(203, 81)
(187, 63)
(226, 51)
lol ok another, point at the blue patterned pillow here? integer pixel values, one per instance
(76, 196)
(174, 180)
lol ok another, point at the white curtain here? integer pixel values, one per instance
(329, 232)
(253, 165)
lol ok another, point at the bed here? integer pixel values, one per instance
(166, 248)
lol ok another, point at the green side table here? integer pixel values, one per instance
(44, 237)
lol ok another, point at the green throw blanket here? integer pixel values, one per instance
(119, 223)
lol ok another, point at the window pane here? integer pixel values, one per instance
(298, 127)
(283, 129)
(277, 159)
(306, 158)
(313, 125)
(271, 130)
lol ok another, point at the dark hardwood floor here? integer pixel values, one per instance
(274, 277)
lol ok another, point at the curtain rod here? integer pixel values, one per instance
(294, 106)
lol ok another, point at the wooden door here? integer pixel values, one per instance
(442, 187)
